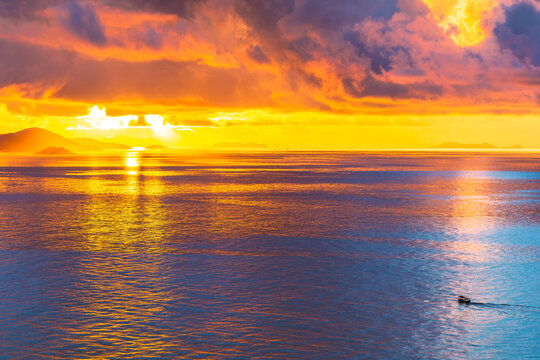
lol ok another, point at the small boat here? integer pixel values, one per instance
(463, 300)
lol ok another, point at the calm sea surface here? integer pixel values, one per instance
(270, 256)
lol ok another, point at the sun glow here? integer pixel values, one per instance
(98, 119)
(462, 20)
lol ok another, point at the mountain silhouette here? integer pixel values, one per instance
(156, 147)
(238, 145)
(454, 145)
(101, 145)
(36, 139)
(53, 150)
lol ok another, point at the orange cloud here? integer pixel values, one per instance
(236, 63)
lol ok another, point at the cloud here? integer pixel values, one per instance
(306, 48)
(330, 15)
(295, 55)
(257, 54)
(380, 57)
(21, 67)
(140, 121)
(161, 81)
(520, 33)
(181, 8)
(263, 15)
(82, 20)
(98, 119)
(66, 75)
(25, 9)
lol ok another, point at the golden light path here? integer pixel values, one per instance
(132, 161)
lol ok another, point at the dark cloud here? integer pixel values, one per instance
(25, 9)
(380, 57)
(284, 24)
(426, 90)
(332, 15)
(263, 15)
(160, 80)
(375, 88)
(82, 20)
(474, 55)
(305, 48)
(520, 32)
(69, 76)
(20, 66)
(151, 38)
(257, 54)
(282, 27)
(520, 18)
(181, 8)
(312, 79)
(413, 8)
(372, 87)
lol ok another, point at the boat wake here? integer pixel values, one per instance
(506, 306)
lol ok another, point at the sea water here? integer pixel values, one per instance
(292, 255)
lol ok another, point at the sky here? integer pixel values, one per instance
(298, 74)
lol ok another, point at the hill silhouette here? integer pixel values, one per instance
(156, 147)
(237, 145)
(53, 150)
(101, 145)
(36, 139)
(455, 145)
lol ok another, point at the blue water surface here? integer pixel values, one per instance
(294, 255)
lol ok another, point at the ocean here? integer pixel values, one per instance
(270, 255)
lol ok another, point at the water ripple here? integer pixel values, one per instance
(269, 256)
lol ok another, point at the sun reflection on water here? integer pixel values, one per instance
(132, 162)
(472, 218)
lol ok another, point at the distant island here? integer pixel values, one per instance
(34, 140)
(101, 145)
(236, 145)
(156, 147)
(455, 145)
(53, 150)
